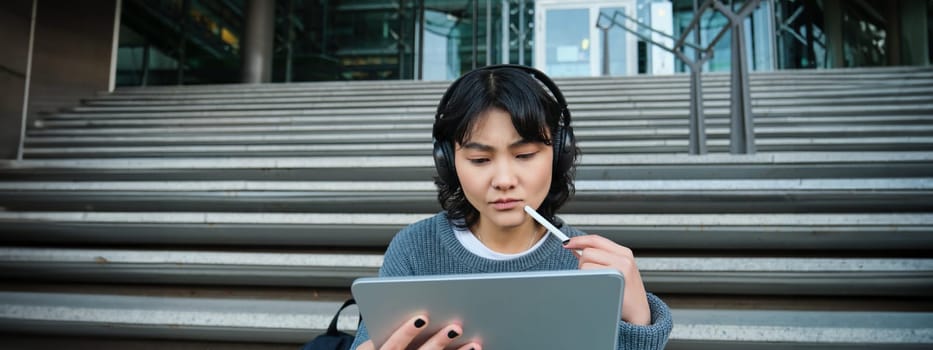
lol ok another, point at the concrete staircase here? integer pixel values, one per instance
(237, 216)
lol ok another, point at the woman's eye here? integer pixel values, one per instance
(526, 155)
(479, 160)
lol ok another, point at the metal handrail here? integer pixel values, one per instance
(742, 136)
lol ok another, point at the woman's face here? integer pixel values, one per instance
(501, 173)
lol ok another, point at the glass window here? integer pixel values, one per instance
(567, 44)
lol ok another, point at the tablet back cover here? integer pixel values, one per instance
(574, 309)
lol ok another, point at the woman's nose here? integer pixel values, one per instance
(504, 178)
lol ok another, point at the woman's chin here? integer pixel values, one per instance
(508, 219)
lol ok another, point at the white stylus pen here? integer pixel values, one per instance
(534, 214)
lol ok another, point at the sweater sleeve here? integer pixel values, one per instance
(653, 336)
(395, 263)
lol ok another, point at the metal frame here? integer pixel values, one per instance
(115, 46)
(26, 86)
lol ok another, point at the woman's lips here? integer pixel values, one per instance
(506, 204)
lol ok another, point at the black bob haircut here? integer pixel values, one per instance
(536, 116)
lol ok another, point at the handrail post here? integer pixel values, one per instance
(605, 48)
(697, 119)
(742, 129)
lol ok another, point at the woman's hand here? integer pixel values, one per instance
(601, 253)
(404, 335)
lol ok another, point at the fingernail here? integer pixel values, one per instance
(419, 323)
(452, 334)
(566, 242)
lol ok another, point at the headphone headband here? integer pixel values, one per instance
(537, 74)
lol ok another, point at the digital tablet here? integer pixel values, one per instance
(571, 309)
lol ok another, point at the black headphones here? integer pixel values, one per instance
(564, 143)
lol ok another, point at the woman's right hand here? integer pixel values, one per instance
(404, 335)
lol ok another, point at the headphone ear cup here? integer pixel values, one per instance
(444, 162)
(564, 150)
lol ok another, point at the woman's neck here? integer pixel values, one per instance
(507, 240)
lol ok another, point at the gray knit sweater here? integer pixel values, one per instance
(429, 247)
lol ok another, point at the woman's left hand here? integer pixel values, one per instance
(601, 253)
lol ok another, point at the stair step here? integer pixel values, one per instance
(634, 147)
(892, 134)
(874, 75)
(592, 196)
(684, 275)
(236, 320)
(277, 321)
(746, 329)
(49, 126)
(575, 105)
(594, 147)
(420, 168)
(586, 131)
(572, 89)
(900, 231)
(762, 94)
(394, 122)
(579, 112)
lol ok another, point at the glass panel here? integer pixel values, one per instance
(371, 40)
(865, 35)
(521, 31)
(799, 35)
(179, 42)
(760, 38)
(661, 19)
(567, 43)
(441, 40)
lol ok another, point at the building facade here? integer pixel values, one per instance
(205, 41)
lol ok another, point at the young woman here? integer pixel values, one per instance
(502, 142)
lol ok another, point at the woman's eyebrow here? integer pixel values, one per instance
(487, 148)
(477, 146)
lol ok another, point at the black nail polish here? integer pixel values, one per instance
(566, 242)
(453, 334)
(419, 323)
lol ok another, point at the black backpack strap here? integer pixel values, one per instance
(332, 329)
